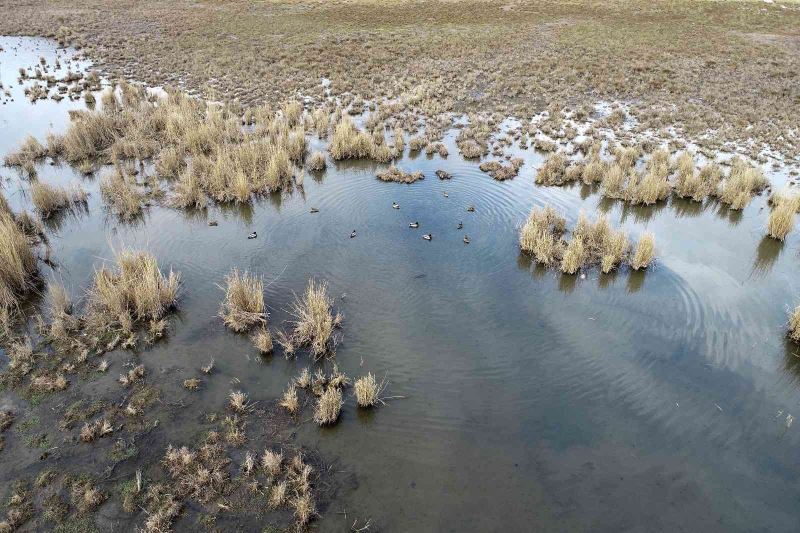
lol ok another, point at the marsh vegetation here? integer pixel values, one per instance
(195, 423)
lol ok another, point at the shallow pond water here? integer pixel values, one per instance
(530, 400)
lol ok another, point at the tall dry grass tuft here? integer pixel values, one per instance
(595, 243)
(314, 321)
(794, 325)
(317, 161)
(553, 171)
(328, 407)
(368, 391)
(540, 236)
(90, 135)
(243, 306)
(18, 264)
(644, 252)
(348, 142)
(781, 219)
(49, 199)
(122, 196)
(743, 181)
(594, 170)
(135, 290)
(30, 151)
(263, 341)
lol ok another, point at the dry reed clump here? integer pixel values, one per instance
(201, 474)
(348, 142)
(18, 263)
(743, 181)
(540, 236)
(314, 322)
(626, 156)
(171, 162)
(289, 400)
(698, 185)
(271, 463)
(794, 325)
(316, 161)
(188, 191)
(243, 306)
(30, 151)
(594, 243)
(328, 407)
(649, 188)
(123, 197)
(368, 391)
(90, 135)
(644, 252)
(263, 341)
(395, 174)
(49, 199)
(553, 171)
(781, 219)
(594, 170)
(501, 172)
(134, 292)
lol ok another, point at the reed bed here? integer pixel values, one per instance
(591, 243)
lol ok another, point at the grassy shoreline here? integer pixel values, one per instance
(724, 66)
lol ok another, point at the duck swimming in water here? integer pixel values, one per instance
(460, 225)
(466, 239)
(314, 210)
(427, 237)
(446, 195)
(395, 205)
(252, 235)
(471, 208)
(413, 225)
(353, 234)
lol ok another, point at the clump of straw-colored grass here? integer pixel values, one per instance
(781, 218)
(395, 174)
(540, 236)
(553, 171)
(30, 151)
(289, 400)
(743, 181)
(263, 340)
(348, 142)
(49, 199)
(644, 252)
(243, 306)
(90, 135)
(136, 288)
(594, 243)
(18, 264)
(368, 390)
(316, 161)
(794, 325)
(314, 321)
(123, 197)
(328, 407)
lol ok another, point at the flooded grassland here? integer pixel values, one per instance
(230, 273)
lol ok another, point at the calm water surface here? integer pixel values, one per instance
(651, 401)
